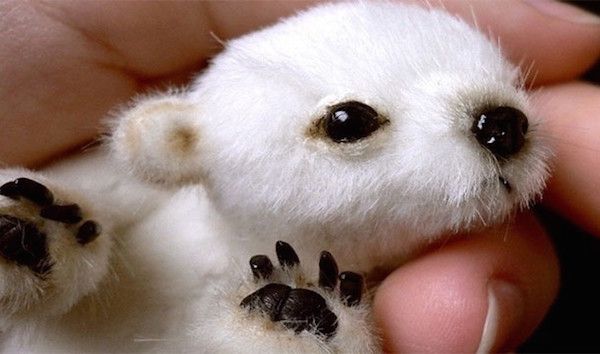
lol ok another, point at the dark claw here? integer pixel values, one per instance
(261, 267)
(88, 231)
(351, 287)
(21, 242)
(286, 255)
(68, 214)
(28, 189)
(328, 271)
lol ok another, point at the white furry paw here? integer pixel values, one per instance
(279, 309)
(51, 252)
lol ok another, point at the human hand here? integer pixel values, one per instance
(81, 61)
(66, 64)
(488, 292)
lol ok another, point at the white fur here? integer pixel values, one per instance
(170, 269)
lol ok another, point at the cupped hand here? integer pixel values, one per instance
(65, 65)
(487, 292)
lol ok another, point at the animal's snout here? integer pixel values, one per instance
(501, 130)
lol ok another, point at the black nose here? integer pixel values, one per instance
(501, 130)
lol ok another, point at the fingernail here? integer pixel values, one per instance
(564, 11)
(506, 307)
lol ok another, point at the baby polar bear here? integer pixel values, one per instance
(365, 129)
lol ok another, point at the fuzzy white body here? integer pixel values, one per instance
(241, 138)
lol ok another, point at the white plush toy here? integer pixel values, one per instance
(364, 129)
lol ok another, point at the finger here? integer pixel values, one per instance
(154, 39)
(529, 32)
(572, 127)
(117, 50)
(66, 65)
(560, 40)
(484, 293)
(56, 84)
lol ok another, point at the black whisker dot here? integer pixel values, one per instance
(505, 183)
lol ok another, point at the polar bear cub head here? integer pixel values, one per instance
(348, 114)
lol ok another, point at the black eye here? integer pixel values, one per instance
(350, 121)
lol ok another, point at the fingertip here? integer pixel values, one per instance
(504, 316)
(570, 126)
(530, 34)
(482, 293)
(420, 309)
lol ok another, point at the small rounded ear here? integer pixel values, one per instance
(158, 138)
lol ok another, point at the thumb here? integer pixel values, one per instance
(483, 293)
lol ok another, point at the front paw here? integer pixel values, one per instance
(281, 310)
(51, 252)
(301, 309)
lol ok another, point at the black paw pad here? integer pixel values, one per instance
(307, 310)
(29, 189)
(297, 309)
(21, 242)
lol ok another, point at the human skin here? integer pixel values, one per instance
(66, 64)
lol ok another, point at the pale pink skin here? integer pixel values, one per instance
(67, 62)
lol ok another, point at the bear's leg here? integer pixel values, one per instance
(281, 309)
(53, 249)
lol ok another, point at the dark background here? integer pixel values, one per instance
(572, 325)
